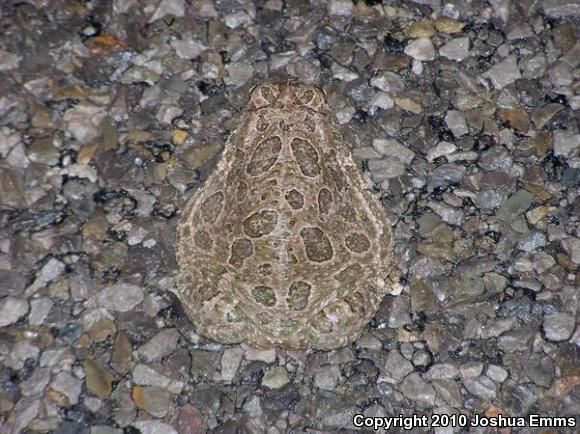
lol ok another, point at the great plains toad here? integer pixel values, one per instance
(284, 245)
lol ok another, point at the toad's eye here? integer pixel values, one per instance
(264, 95)
(311, 97)
(306, 97)
(267, 93)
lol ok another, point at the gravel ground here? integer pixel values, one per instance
(464, 116)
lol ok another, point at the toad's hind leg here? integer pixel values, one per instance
(215, 314)
(339, 323)
(204, 288)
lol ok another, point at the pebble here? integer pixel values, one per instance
(409, 104)
(448, 391)
(442, 148)
(446, 173)
(421, 49)
(154, 400)
(542, 115)
(455, 121)
(496, 158)
(382, 100)
(179, 137)
(540, 369)
(421, 29)
(204, 364)
(342, 73)
(448, 25)
(167, 113)
(366, 153)
(572, 247)
(496, 187)
(105, 430)
(456, 49)
(188, 48)
(136, 235)
(146, 376)
(17, 157)
(442, 371)
(532, 241)
(417, 389)
(481, 387)
(50, 271)
(558, 327)
(392, 148)
(497, 373)
(561, 8)
(160, 345)
(504, 73)
(345, 115)
(327, 377)
(99, 380)
(165, 8)
(563, 37)
(471, 369)
(154, 427)
(8, 60)
(43, 151)
(84, 120)
(397, 367)
(267, 356)
(421, 359)
(340, 7)
(238, 73)
(11, 310)
(516, 119)
(230, 362)
(566, 144)
(388, 82)
(12, 149)
(121, 297)
(533, 67)
(337, 416)
(25, 410)
(189, 420)
(275, 378)
(543, 262)
(121, 353)
(68, 387)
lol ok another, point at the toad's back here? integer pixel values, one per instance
(284, 245)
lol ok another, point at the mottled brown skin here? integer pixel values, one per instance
(284, 245)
